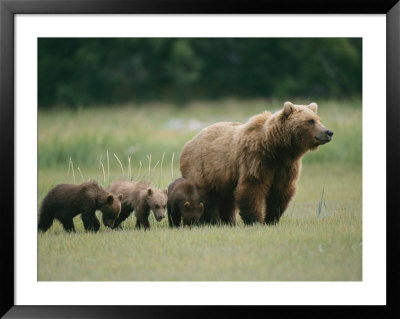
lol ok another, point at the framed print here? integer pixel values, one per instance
(116, 129)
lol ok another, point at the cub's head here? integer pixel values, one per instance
(111, 208)
(157, 201)
(192, 210)
(303, 126)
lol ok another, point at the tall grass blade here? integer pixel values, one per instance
(149, 160)
(172, 165)
(129, 169)
(108, 168)
(161, 170)
(151, 178)
(69, 166)
(321, 201)
(80, 172)
(120, 164)
(72, 167)
(104, 173)
(140, 170)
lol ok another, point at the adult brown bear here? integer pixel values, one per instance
(252, 163)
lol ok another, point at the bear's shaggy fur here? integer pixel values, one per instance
(65, 201)
(140, 197)
(252, 164)
(184, 203)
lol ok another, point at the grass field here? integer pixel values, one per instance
(319, 237)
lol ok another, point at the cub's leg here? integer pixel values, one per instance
(142, 219)
(174, 216)
(124, 214)
(90, 221)
(68, 224)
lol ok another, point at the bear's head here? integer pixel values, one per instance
(192, 210)
(110, 208)
(157, 201)
(302, 126)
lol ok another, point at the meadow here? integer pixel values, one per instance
(319, 237)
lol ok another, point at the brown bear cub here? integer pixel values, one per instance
(183, 203)
(65, 201)
(140, 197)
(252, 165)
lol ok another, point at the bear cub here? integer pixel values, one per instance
(140, 197)
(65, 201)
(184, 203)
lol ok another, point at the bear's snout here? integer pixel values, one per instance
(324, 136)
(329, 133)
(189, 221)
(109, 223)
(159, 216)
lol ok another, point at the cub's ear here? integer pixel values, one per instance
(110, 199)
(313, 107)
(120, 196)
(165, 191)
(288, 108)
(187, 204)
(201, 205)
(149, 191)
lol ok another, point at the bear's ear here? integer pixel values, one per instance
(120, 196)
(187, 204)
(149, 191)
(313, 107)
(201, 205)
(288, 108)
(110, 199)
(165, 191)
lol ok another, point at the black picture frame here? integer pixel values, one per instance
(8, 10)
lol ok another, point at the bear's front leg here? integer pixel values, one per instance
(145, 224)
(249, 196)
(142, 218)
(90, 221)
(211, 209)
(227, 210)
(124, 214)
(45, 219)
(174, 216)
(276, 204)
(68, 224)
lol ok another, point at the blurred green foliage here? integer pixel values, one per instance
(85, 71)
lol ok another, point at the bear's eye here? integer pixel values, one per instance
(311, 121)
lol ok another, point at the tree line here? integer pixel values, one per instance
(88, 71)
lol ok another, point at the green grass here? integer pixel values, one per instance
(319, 236)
